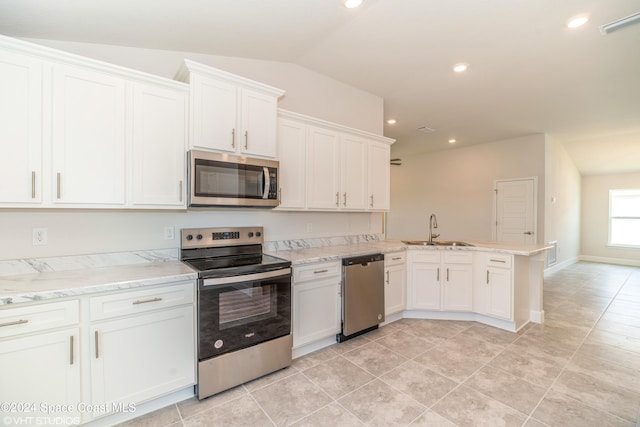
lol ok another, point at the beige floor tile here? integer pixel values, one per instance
(490, 334)
(559, 410)
(377, 404)
(620, 375)
(338, 376)
(291, 399)
(437, 330)
(160, 418)
(457, 366)
(611, 354)
(506, 388)
(431, 419)
(467, 407)
(538, 370)
(193, 406)
(422, 384)
(615, 340)
(532, 422)
(241, 412)
(405, 344)
(599, 394)
(352, 344)
(375, 358)
(316, 357)
(270, 378)
(332, 415)
(553, 350)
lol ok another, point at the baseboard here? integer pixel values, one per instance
(560, 265)
(606, 260)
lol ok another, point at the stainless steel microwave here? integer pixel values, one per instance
(226, 180)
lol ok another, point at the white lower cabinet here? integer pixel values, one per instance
(441, 281)
(39, 360)
(395, 281)
(316, 302)
(146, 348)
(494, 285)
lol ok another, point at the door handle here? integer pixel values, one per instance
(233, 138)
(246, 139)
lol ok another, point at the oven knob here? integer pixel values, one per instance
(251, 234)
(218, 344)
(199, 237)
(189, 237)
(258, 234)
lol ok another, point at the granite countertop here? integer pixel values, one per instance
(306, 255)
(23, 281)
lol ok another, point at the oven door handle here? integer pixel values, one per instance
(267, 182)
(247, 277)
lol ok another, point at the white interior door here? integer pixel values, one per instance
(516, 211)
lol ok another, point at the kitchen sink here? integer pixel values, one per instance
(436, 243)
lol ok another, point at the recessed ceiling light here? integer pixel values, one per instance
(350, 4)
(452, 141)
(392, 121)
(577, 21)
(459, 68)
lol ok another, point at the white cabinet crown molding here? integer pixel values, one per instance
(50, 54)
(286, 114)
(189, 66)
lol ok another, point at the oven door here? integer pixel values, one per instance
(240, 311)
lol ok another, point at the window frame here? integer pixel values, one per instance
(612, 193)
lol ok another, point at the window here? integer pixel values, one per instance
(624, 218)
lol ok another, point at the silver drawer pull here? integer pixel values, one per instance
(396, 258)
(71, 350)
(33, 184)
(497, 260)
(17, 322)
(321, 271)
(97, 336)
(144, 301)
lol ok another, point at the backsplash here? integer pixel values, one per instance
(286, 245)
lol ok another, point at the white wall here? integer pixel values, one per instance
(457, 185)
(72, 232)
(595, 218)
(562, 206)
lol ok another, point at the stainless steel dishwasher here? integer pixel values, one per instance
(362, 295)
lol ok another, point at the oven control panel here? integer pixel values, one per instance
(211, 237)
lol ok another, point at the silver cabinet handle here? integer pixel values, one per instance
(33, 184)
(180, 190)
(233, 138)
(145, 301)
(497, 260)
(338, 199)
(447, 274)
(280, 195)
(396, 258)
(387, 277)
(97, 335)
(71, 350)
(528, 232)
(17, 322)
(321, 271)
(487, 277)
(58, 184)
(438, 274)
(345, 199)
(371, 204)
(246, 139)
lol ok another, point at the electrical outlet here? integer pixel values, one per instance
(40, 236)
(309, 227)
(169, 233)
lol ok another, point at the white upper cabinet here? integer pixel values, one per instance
(230, 113)
(159, 145)
(88, 125)
(345, 169)
(21, 130)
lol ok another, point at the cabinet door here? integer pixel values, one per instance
(159, 151)
(499, 285)
(316, 310)
(42, 368)
(88, 137)
(378, 176)
(395, 289)
(354, 173)
(21, 130)
(292, 150)
(457, 287)
(323, 169)
(425, 286)
(137, 358)
(259, 121)
(214, 114)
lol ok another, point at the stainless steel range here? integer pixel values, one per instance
(244, 306)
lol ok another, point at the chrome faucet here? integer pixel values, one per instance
(433, 223)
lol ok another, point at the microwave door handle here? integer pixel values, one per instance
(267, 182)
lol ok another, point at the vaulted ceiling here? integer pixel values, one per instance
(528, 73)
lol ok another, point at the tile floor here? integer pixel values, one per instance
(581, 368)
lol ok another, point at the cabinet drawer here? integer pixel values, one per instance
(316, 271)
(33, 318)
(499, 260)
(395, 258)
(425, 256)
(141, 301)
(458, 257)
